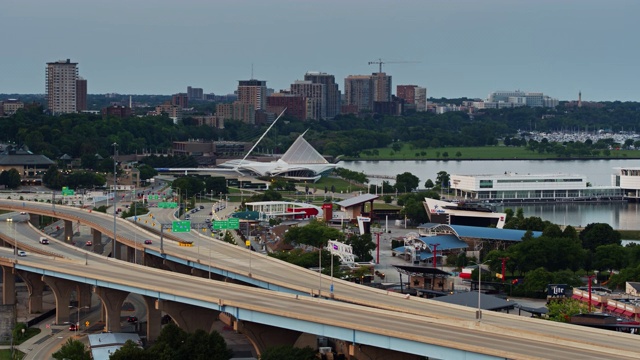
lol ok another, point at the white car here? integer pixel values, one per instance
(22, 253)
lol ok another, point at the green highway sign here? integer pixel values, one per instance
(66, 191)
(232, 224)
(167, 205)
(152, 197)
(181, 226)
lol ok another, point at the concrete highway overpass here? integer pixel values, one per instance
(448, 332)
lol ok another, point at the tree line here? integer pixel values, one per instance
(81, 134)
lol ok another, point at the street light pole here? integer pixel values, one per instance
(479, 312)
(115, 197)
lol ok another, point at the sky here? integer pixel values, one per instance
(454, 48)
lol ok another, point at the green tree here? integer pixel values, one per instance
(597, 234)
(287, 352)
(562, 310)
(10, 178)
(443, 179)
(146, 171)
(315, 234)
(428, 184)
(406, 182)
(72, 350)
(131, 351)
(610, 257)
(362, 246)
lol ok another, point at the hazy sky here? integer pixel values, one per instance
(456, 47)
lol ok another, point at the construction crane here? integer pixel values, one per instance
(380, 62)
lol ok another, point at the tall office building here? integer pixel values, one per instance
(332, 97)
(358, 91)
(61, 84)
(314, 95)
(81, 94)
(253, 92)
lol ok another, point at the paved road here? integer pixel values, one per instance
(498, 331)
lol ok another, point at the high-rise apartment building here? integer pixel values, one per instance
(195, 93)
(407, 93)
(414, 95)
(81, 94)
(61, 84)
(315, 98)
(358, 90)
(421, 99)
(381, 87)
(332, 97)
(181, 100)
(253, 92)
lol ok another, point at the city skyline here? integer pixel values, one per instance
(453, 48)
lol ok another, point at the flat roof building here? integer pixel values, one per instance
(529, 187)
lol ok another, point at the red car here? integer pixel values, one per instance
(73, 327)
(88, 243)
(148, 242)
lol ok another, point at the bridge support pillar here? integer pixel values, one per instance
(154, 319)
(130, 254)
(62, 293)
(34, 219)
(96, 237)
(8, 285)
(112, 301)
(188, 317)
(84, 295)
(262, 336)
(35, 286)
(68, 230)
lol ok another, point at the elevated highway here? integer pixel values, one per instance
(501, 334)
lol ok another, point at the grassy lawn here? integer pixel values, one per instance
(5, 354)
(630, 234)
(475, 153)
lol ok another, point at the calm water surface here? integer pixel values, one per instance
(623, 216)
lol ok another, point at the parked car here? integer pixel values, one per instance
(132, 319)
(201, 207)
(148, 242)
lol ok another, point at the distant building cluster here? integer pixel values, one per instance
(316, 97)
(517, 98)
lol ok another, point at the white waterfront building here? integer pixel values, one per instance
(530, 188)
(628, 179)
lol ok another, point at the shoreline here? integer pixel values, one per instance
(491, 159)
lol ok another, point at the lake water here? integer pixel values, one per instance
(623, 216)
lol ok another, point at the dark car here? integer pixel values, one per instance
(73, 327)
(148, 242)
(132, 319)
(201, 207)
(88, 243)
